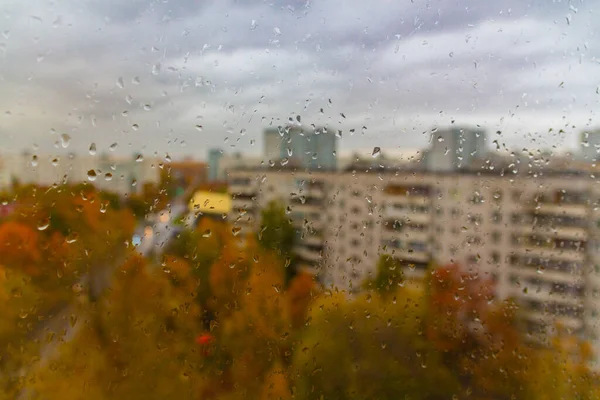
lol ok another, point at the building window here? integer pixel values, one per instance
(496, 217)
(516, 195)
(495, 258)
(496, 237)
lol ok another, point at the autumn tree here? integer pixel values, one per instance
(301, 292)
(477, 336)
(257, 334)
(369, 348)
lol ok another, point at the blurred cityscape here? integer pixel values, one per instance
(502, 237)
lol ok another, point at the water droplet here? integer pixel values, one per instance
(129, 99)
(65, 140)
(168, 158)
(147, 107)
(199, 128)
(206, 233)
(139, 158)
(236, 230)
(93, 149)
(113, 147)
(34, 161)
(43, 224)
(72, 238)
(135, 127)
(253, 25)
(55, 161)
(91, 175)
(120, 83)
(277, 31)
(136, 80)
(156, 69)
(376, 152)
(108, 176)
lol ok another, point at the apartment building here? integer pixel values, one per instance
(536, 235)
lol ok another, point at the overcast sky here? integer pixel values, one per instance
(148, 74)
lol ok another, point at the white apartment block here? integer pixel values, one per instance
(537, 237)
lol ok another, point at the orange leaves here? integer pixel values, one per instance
(19, 247)
(301, 292)
(456, 302)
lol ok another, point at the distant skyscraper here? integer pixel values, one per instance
(308, 148)
(214, 158)
(590, 145)
(454, 148)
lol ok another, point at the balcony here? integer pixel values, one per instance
(570, 233)
(306, 208)
(242, 190)
(571, 210)
(313, 240)
(307, 254)
(547, 296)
(552, 320)
(407, 191)
(535, 271)
(552, 253)
(407, 234)
(411, 256)
(412, 214)
(408, 200)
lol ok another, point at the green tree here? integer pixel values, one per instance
(389, 275)
(277, 234)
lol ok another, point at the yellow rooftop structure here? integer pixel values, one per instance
(210, 202)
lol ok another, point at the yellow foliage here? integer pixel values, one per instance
(275, 385)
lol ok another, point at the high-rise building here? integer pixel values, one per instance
(454, 148)
(312, 148)
(214, 158)
(590, 145)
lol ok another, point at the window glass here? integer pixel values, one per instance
(299, 199)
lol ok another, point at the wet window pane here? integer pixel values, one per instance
(299, 200)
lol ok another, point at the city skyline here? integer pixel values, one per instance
(141, 73)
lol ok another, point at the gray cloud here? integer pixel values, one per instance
(234, 67)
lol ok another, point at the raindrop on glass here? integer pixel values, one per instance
(43, 224)
(91, 175)
(65, 140)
